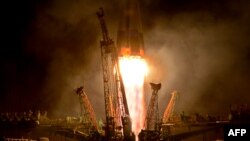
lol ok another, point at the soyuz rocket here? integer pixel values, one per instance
(129, 37)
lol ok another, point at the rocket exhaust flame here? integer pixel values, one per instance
(133, 70)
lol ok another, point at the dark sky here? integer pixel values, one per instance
(199, 48)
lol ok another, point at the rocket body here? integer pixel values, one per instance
(130, 37)
(133, 67)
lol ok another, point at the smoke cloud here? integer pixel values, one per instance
(202, 54)
(200, 49)
(66, 34)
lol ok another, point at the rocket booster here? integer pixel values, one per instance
(129, 36)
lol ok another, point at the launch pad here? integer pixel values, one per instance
(127, 116)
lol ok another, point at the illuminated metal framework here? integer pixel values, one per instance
(87, 112)
(152, 118)
(116, 108)
(170, 108)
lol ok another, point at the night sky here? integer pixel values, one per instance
(199, 48)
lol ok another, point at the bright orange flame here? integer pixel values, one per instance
(133, 71)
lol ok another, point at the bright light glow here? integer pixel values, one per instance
(133, 71)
